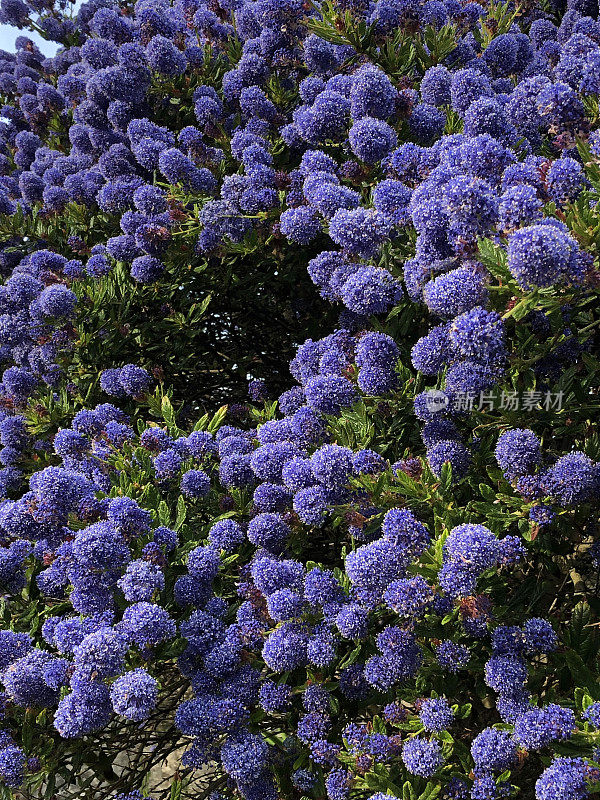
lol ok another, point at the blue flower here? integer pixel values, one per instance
(359, 231)
(134, 695)
(300, 225)
(422, 757)
(539, 255)
(494, 750)
(435, 714)
(372, 139)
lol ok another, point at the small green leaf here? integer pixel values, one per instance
(487, 492)
(167, 411)
(181, 513)
(164, 515)
(586, 701)
(431, 790)
(217, 419)
(176, 788)
(408, 793)
(446, 476)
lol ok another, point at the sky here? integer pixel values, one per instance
(8, 34)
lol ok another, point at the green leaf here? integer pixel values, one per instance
(446, 476)
(523, 307)
(202, 423)
(494, 258)
(176, 788)
(433, 46)
(431, 790)
(408, 793)
(167, 411)
(487, 492)
(581, 635)
(351, 657)
(586, 701)
(197, 310)
(164, 515)
(217, 419)
(578, 696)
(378, 725)
(181, 513)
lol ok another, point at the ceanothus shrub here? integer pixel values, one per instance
(377, 576)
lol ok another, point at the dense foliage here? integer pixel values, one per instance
(378, 577)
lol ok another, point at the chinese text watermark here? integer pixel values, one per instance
(438, 400)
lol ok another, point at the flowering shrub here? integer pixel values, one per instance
(382, 581)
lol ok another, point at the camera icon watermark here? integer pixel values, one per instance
(437, 401)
